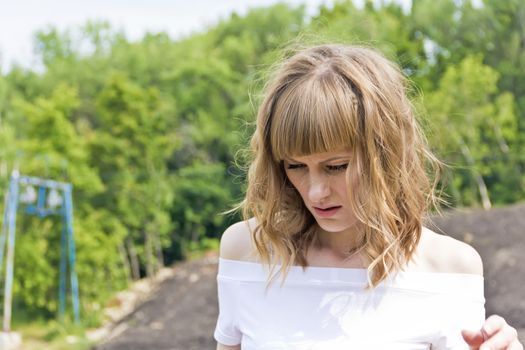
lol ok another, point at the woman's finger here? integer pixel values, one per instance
(473, 338)
(493, 325)
(502, 339)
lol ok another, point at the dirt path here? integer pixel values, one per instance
(182, 313)
(180, 316)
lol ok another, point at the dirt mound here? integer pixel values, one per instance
(181, 314)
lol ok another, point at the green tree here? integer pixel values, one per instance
(129, 150)
(480, 151)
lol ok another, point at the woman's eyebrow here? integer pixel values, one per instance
(290, 159)
(336, 158)
(345, 157)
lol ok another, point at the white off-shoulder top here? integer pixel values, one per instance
(325, 308)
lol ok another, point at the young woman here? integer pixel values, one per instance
(333, 253)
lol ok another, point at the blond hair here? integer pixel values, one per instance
(330, 97)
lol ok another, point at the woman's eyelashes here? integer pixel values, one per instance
(337, 167)
(294, 166)
(329, 168)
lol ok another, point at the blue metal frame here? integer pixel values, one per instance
(67, 241)
(10, 215)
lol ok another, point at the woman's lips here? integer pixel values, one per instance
(327, 212)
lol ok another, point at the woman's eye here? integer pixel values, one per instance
(294, 166)
(338, 167)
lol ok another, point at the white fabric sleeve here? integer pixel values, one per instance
(227, 330)
(460, 314)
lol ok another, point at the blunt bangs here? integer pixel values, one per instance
(316, 114)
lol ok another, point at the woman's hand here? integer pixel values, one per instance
(495, 334)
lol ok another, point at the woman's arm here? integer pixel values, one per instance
(226, 347)
(235, 245)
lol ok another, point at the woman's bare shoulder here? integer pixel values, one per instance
(237, 242)
(441, 253)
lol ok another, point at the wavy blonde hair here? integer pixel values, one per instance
(331, 97)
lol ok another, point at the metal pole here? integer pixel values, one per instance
(62, 277)
(68, 203)
(4, 227)
(41, 200)
(11, 219)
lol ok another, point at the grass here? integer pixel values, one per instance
(52, 335)
(40, 332)
(196, 250)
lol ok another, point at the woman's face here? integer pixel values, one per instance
(321, 181)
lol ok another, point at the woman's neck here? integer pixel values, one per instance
(337, 249)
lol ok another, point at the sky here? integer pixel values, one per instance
(20, 19)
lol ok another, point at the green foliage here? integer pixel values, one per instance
(199, 193)
(147, 131)
(489, 141)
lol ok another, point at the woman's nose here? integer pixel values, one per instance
(319, 189)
